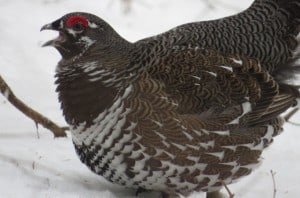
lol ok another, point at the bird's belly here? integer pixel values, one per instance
(129, 169)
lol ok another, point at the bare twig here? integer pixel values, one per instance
(37, 130)
(211, 4)
(127, 6)
(231, 195)
(35, 116)
(294, 123)
(288, 116)
(274, 183)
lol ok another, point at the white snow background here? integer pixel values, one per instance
(32, 166)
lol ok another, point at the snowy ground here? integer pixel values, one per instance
(45, 167)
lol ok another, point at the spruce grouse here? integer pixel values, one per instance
(187, 110)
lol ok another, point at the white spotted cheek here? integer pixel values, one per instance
(87, 41)
(72, 32)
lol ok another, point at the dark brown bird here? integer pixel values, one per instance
(188, 110)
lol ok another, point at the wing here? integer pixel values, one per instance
(216, 86)
(201, 117)
(208, 66)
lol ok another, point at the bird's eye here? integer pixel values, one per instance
(78, 27)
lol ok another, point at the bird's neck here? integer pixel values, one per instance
(91, 84)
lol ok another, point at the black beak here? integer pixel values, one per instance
(56, 25)
(47, 27)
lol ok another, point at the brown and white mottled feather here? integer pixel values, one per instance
(187, 110)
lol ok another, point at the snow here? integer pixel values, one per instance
(39, 166)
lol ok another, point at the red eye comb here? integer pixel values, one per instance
(77, 19)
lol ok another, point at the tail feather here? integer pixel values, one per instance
(288, 71)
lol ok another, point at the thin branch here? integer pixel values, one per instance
(294, 123)
(274, 183)
(127, 6)
(29, 112)
(211, 4)
(231, 195)
(288, 116)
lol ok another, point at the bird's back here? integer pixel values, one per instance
(266, 31)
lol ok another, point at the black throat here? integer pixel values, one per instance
(82, 100)
(89, 84)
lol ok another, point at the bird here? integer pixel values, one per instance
(188, 110)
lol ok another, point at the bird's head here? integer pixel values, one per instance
(77, 32)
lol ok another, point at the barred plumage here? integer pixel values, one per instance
(187, 110)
